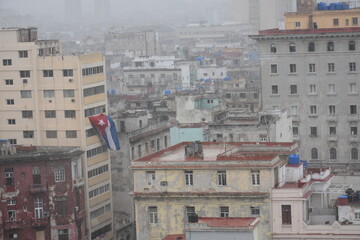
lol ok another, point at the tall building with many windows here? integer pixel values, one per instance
(311, 69)
(45, 99)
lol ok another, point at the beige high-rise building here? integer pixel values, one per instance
(45, 100)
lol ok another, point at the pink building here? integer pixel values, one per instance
(306, 205)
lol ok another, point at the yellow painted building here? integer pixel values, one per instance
(45, 99)
(209, 179)
(323, 19)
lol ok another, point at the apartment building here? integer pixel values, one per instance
(45, 99)
(313, 73)
(42, 193)
(213, 180)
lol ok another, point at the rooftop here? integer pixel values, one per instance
(175, 237)
(234, 222)
(277, 31)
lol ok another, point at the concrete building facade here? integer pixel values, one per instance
(45, 99)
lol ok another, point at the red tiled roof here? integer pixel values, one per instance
(175, 237)
(277, 31)
(228, 222)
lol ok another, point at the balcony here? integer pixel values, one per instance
(12, 225)
(37, 188)
(332, 138)
(79, 182)
(40, 222)
(80, 215)
(353, 138)
(353, 117)
(332, 118)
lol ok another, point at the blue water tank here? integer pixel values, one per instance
(332, 6)
(339, 6)
(167, 92)
(305, 163)
(294, 159)
(346, 6)
(343, 196)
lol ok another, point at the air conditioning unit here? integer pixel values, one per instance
(76, 209)
(163, 183)
(73, 100)
(25, 81)
(70, 80)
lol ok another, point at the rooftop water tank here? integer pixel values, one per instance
(294, 159)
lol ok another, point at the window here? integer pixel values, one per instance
(255, 177)
(61, 206)
(100, 211)
(273, 68)
(332, 130)
(273, 48)
(11, 202)
(255, 211)
(352, 46)
(354, 21)
(332, 110)
(352, 88)
(101, 231)
(352, 67)
(297, 24)
(175, 76)
(347, 22)
(153, 215)
(274, 89)
(332, 154)
(295, 131)
(9, 82)
(242, 95)
(331, 67)
(51, 134)
(36, 175)
(10, 102)
(92, 70)
(11, 215)
(166, 141)
(335, 22)
(292, 47)
(190, 210)
(353, 109)
(25, 74)
(25, 93)
(313, 131)
(100, 190)
(9, 176)
(313, 109)
(63, 234)
(11, 121)
(91, 132)
(357, 216)
(330, 46)
(139, 151)
(70, 114)
(94, 110)
(189, 178)
(224, 212)
(353, 131)
(98, 171)
(312, 88)
(23, 54)
(312, 67)
(28, 134)
(355, 156)
(292, 68)
(140, 124)
(314, 154)
(49, 93)
(150, 177)
(67, 72)
(221, 178)
(13, 141)
(7, 62)
(38, 207)
(331, 89)
(59, 173)
(50, 114)
(71, 134)
(311, 47)
(286, 214)
(68, 93)
(96, 151)
(94, 90)
(48, 73)
(27, 114)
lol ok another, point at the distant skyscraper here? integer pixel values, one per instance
(102, 9)
(73, 11)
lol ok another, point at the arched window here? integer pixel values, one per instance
(273, 48)
(292, 47)
(330, 46)
(311, 47)
(333, 153)
(314, 153)
(352, 46)
(354, 154)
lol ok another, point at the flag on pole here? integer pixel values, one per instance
(105, 126)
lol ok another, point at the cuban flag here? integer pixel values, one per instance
(106, 129)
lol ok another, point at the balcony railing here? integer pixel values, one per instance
(12, 225)
(79, 182)
(353, 138)
(37, 188)
(40, 222)
(332, 117)
(149, 128)
(332, 138)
